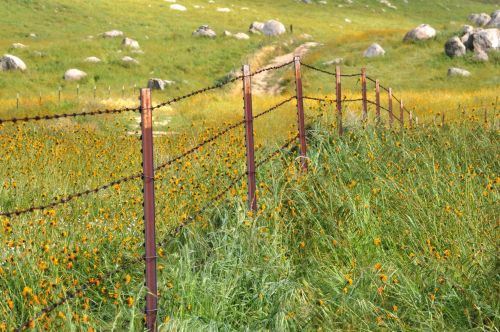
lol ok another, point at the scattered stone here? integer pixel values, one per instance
(336, 61)
(374, 50)
(480, 19)
(131, 43)
(32, 35)
(227, 33)
(454, 47)
(256, 28)
(130, 60)
(11, 62)
(223, 10)
(273, 28)
(159, 84)
(485, 40)
(92, 59)
(74, 75)
(178, 7)
(241, 36)
(347, 20)
(495, 20)
(204, 31)
(113, 34)
(18, 45)
(306, 36)
(467, 29)
(480, 56)
(422, 32)
(458, 72)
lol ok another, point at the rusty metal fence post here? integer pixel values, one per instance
(377, 102)
(247, 98)
(363, 91)
(401, 114)
(149, 210)
(300, 114)
(391, 114)
(338, 89)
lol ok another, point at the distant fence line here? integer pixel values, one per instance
(147, 175)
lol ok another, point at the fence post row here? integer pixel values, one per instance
(363, 91)
(391, 114)
(149, 210)
(247, 98)
(338, 89)
(401, 114)
(377, 101)
(300, 113)
(411, 119)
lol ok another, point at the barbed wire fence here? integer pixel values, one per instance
(148, 172)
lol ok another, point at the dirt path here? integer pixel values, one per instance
(267, 82)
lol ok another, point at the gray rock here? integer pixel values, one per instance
(159, 84)
(454, 47)
(422, 32)
(11, 62)
(374, 50)
(204, 31)
(92, 59)
(256, 28)
(273, 28)
(467, 41)
(18, 45)
(227, 33)
(74, 75)
(131, 43)
(480, 56)
(112, 34)
(480, 20)
(486, 40)
(495, 20)
(130, 60)
(241, 36)
(458, 72)
(466, 29)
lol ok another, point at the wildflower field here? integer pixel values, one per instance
(390, 229)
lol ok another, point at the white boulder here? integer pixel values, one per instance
(241, 36)
(458, 72)
(130, 60)
(11, 62)
(273, 28)
(480, 19)
(204, 31)
(131, 43)
(18, 45)
(113, 34)
(178, 7)
(422, 32)
(159, 84)
(374, 50)
(495, 20)
(92, 59)
(74, 75)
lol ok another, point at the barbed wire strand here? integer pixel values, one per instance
(70, 115)
(328, 72)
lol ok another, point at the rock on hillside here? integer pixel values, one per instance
(495, 20)
(458, 72)
(479, 19)
(204, 31)
(373, 51)
(92, 59)
(159, 84)
(454, 47)
(74, 75)
(273, 28)
(112, 34)
(422, 32)
(129, 42)
(485, 40)
(11, 62)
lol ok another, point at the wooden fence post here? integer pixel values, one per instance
(78, 91)
(149, 210)
(95, 91)
(363, 91)
(40, 99)
(300, 113)
(377, 101)
(401, 114)
(391, 114)
(338, 89)
(59, 95)
(247, 97)
(17, 101)
(411, 119)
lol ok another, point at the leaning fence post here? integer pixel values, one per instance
(247, 97)
(377, 101)
(338, 89)
(391, 115)
(300, 113)
(411, 119)
(149, 209)
(401, 114)
(363, 91)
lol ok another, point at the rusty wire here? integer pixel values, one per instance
(328, 72)
(319, 99)
(72, 294)
(385, 109)
(221, 194)
(70, 115)
(387, 90)
(217, 86)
